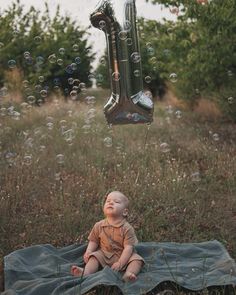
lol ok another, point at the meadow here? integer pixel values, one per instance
(59, 160)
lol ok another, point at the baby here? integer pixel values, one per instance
(111, 242)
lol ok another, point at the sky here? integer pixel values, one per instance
(80, 10)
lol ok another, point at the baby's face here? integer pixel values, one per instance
(115, 205)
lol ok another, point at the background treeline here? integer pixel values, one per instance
(195, 55)
(40, 54)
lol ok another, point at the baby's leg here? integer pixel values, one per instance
(132, 270)
(91, 267)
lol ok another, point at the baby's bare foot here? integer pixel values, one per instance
(76, 271)
(129, 277)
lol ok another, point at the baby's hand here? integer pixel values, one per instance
(86, 256)
(116, 266)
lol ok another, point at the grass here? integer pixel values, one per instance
(59, 160)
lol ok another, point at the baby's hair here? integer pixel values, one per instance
(121, 194)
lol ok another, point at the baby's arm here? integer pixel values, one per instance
(92, 246)
(124, 258)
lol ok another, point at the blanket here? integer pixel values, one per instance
(45, 269)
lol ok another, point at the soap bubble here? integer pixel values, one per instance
(148, 79)
(41, 79)
(57, 176)
(122, 35)
(74, 66)
(108, 141)
(197, 91)
(73, 94)
(69, 70)
(86, 128)
(178, 114)
(91, 77)
(25, 83)
(99, 78)
(135, 57)
(173, 77)
(230, 100)
(10, 157)
(153, 60)
(42, 148)
(56, 88)
(50, 125)
(102, 24)
(150, 51)
(11, 63)
(63, 123)
(76, 82)
(127, 25)
(39, 60)
(60, 158)
(26, 54)
(75, 47)
(27, 160)
(166, 52)
(116, 76)
(196, 177)
(15, 115)
(103, 60)
(174, 10)
(77, 60)
(70, 81)
(15, 33)
(28, 91)
(3, 112)
(60, 61)
(62, 51)
(37, 39)
(56, 81)
(29, 61)
(38, 88)
(3, 91)
(69, 135)
(69, 112)
(229, 73)
(169, 109)
(129, 41)
(216, 137)
(136, 73)
(43, 93)
(165, 148)
(90, 100)
(31, 99)
(91, 113)
(82, 86)
(52, 58)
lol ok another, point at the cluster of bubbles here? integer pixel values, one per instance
(170, 111)
(39, 91)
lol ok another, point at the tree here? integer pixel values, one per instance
(202, 44)
(51, 54)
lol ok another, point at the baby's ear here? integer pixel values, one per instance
(125, 212)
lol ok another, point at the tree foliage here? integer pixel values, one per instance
(194, 55)
(202, 50)
(47, 53)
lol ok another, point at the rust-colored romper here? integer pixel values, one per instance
(112, 240)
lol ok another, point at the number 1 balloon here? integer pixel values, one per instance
(128, 102)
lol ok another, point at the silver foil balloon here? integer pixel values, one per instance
(128, 102)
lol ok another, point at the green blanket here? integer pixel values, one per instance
(45, 270)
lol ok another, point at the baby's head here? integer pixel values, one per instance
(116, 204)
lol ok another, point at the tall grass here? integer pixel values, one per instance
(59, 160)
